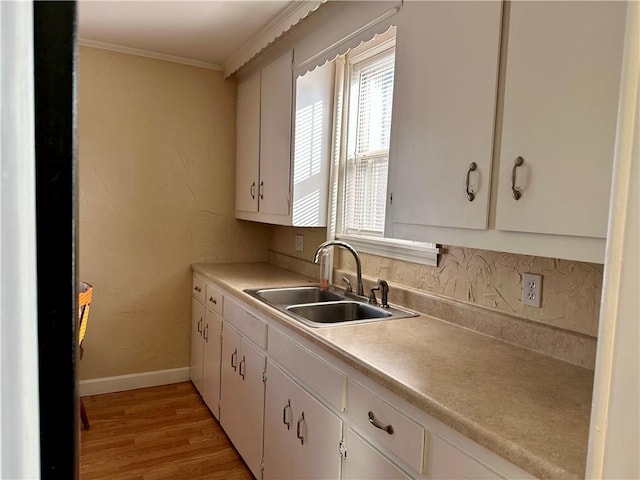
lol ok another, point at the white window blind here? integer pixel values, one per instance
(367, 153)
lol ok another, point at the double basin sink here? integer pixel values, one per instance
(316, 307)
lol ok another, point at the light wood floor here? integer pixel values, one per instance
(156, 433)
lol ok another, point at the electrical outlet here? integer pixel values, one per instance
(299, 243)
(532, 289)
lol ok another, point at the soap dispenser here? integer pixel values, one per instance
(325, 267)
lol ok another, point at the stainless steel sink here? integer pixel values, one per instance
(295, 295)
(324, 308)
(338, 312)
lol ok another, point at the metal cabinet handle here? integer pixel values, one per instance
(242, 371)
(375, 423)
(206, 333)
(472, 168)
(515, 191)
(234, 360)
(261, 191)
(284, 414)
(213, 300)
(200, 326)
(299, 429)
(252, 190)
(197, 289)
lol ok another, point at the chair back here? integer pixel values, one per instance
(84, 302)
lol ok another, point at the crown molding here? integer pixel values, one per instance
(147, 53)
(276, 27)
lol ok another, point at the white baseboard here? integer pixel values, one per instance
(97, 386)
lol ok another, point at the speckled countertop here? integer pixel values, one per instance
(531, 409)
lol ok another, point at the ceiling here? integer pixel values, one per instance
(207, 31)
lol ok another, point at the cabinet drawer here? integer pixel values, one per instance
(198, 289)
(214, 299)
(406, 440)
(250, 327)
(312, 370)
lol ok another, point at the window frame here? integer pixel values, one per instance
(406, 250)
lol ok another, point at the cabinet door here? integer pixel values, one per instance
(364, 462)
(279, 425)
(302, 436)
(275, 135)
(248, 144)
(318, 434)
(230, 383)
(211, 361)
(443, 113)
(560, 102)
(242, 397)
(197, 352)
(248, 438)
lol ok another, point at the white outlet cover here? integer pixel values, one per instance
(299, 243)
(532, 289)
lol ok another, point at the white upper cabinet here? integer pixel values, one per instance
(562, 82)
(248, 144)
(275, 135)
(281, 179)
(263, 142)
(444, 104)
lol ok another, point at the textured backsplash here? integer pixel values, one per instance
(570, 295)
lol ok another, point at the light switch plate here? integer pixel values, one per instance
(299, 243)
(532, 289)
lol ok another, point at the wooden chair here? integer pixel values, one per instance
(84, 302)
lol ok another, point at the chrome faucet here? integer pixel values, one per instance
(338, 243)
(383, 286)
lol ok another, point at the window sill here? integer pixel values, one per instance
(408, 251)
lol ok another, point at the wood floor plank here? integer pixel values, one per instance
(156, 433)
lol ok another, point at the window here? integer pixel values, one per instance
(370, 97)
(363, 133)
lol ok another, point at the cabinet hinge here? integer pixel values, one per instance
(264, 377)
(262, 466)
(391, 198)
(342, 449)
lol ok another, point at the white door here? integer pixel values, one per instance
(248, 144)
(560, 104)
(197, 324)
(275, 135)
(318, 435)
(279, 425)
(211, 361)
(364, 462)
(443, 113)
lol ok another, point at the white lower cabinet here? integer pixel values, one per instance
(364, 462)
(206, 327)
(293, 411)
(302, 436)
(242, 396)
(197, 352)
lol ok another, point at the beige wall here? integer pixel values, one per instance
(156, 160)
(571, 290)
(282, 240)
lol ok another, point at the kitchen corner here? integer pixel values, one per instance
(529, 408)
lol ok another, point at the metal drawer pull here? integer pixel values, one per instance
(253, 190)
(242, 371)
(234, 360)
(298, 429)
(200, 325)
(213, 300)
(375, 423)
(284, 414)
(197, 289)
(515, 191)
(472, 168)
(206, 333)
(261, 191)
